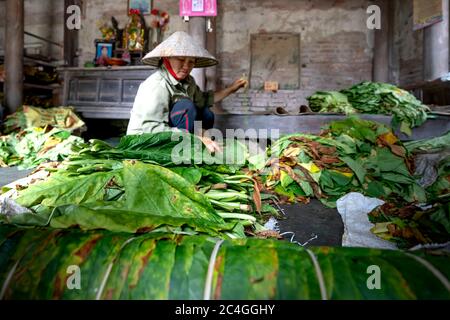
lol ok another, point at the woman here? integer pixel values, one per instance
(170, 99)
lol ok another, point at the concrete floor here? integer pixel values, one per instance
(312, 224)
(11, 174)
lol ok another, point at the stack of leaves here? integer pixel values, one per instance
(113, 266)
(330, 101)
(375, 98)
(384, 98)
(408, 225)
(137, 197)
(351, 155)
(429, 145)
(438, 148)
(30, 116)
(232, 188)
(105, 187)
(164, 148)
(14, 122)
(32, 146)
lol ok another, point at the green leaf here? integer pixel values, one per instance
(356, 167)
(285, 179)
(62, 190)
(159, 191)
(192, 175)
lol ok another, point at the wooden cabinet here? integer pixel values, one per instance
(104, 92)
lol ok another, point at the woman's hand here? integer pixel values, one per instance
(239, 83)
(220, 95)
(211, 145)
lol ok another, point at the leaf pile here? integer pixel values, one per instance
(330, 101)
(439, 149)
(33, 146)
(351, 155)
(409, 225)
(376, 98)
(104, 187)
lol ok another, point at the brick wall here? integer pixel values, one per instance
(335, 47)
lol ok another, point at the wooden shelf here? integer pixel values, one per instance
(41, 86)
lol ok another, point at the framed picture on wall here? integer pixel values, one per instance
(144, 6)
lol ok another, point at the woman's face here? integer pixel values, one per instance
(182, 66)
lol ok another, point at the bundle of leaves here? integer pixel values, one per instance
(14, 122)
(408, 225)
(180, 267)
(441, 187)
(33, 146)
(330, 101)
(164, 148)
(104, 187)
(350, 155)
(439, 149)
(384, 98)
(429, 145)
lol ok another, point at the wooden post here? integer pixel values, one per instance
(211, 47)
(393, 69)
(14, 55)
(436, 47)
(70, 37)
(197, 29)
(211, 72)
(381, 46)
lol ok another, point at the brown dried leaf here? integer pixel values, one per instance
(257, 197)
(268, 234)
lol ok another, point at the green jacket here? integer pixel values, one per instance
(156, 95)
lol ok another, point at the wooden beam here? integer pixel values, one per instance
(211, 47)
(70, 37)
(381, 45)
(436, 47)
(14, 55)
(197, 29)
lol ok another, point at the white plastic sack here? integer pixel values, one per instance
(353, 208)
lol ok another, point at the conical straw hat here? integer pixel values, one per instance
(180, 44)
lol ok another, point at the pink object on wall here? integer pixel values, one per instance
(198, 8)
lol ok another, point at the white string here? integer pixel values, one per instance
(209, 275)
(297, 242)
(108, 270)
(323, 290)
(8, 279)
(11, 273)
(432, 269)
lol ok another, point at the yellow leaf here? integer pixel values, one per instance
(346, 174)
(291, 152)
(380, 227)
(310, 166)
(51, 142)
(389, 137)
